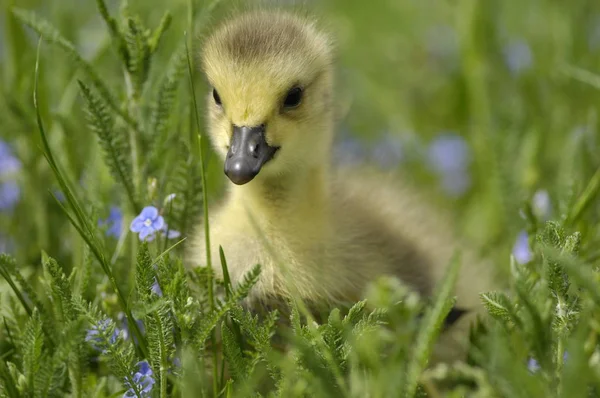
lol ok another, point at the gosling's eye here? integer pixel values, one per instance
(216, 97)
(293, 98)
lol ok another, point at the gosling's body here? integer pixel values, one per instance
(318, 233)
(326, 242)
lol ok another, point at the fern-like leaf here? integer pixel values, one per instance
(161, 108)
(209, 322)
(136, 38)
(499, 306)
(114, 30)
(60, 288)
(237, 364)
(115, 146)
(159, 326)
(46, 30)
(187, 185)
(144, 274)
(32, 345)
(431, 326)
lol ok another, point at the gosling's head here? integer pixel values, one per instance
(269, 103)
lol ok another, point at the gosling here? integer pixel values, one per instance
(319, 234)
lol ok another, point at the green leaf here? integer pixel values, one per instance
(80, 220)
(159, 326)
(430, 328)
(162, 107)
(33, 342)
(187, 185)
(164, 24)
(237, 364)
(499, 306)
(210, 321)
(113, 142)
(61, 290)
(50, 33)
(144, 274)
(115, 32)
(136, 38)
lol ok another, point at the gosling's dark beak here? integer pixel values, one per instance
(248, 152)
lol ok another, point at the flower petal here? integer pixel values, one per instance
(137, 224)
(151, 237)
(150, 212)
(158, 224)
(172, 234)
(145, 368)
(145, 232)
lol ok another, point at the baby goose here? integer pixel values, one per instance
(319, 234)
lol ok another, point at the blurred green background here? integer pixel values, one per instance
(491, 106)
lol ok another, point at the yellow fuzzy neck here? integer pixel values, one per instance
(295, 205)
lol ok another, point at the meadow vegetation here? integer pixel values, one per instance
(490, 106)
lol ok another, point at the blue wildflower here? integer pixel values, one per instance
(449, 152)
(521, 249)
(59, 195)
(518, 56)
(388, 152)
(10, 192)
(114, 222)
(147, 223)
(533, 365)
(143, 381)
(542, 206)
(124, 322)
(450, 156)
(156, 288)
(8, 161)
(456, 183)
(94, 335)
(170, 233)
(348, 149)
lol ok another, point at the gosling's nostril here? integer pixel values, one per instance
(254, 147)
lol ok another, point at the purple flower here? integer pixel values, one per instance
(518, 56)
(177, 362)
(542, 206)
(95, 338)
(142, 380)
(9, 163)
(456, 183)
(533, 365)
(156, 288)
(59, 195)
(348, 149)
(388, 152)
(147, 223)
(10, 192)
(113, 222)
(170, 233)
(450, 156)
(449, 153)
(124, 322)
(521, 249)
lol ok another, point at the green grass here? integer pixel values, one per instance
(115, 124)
